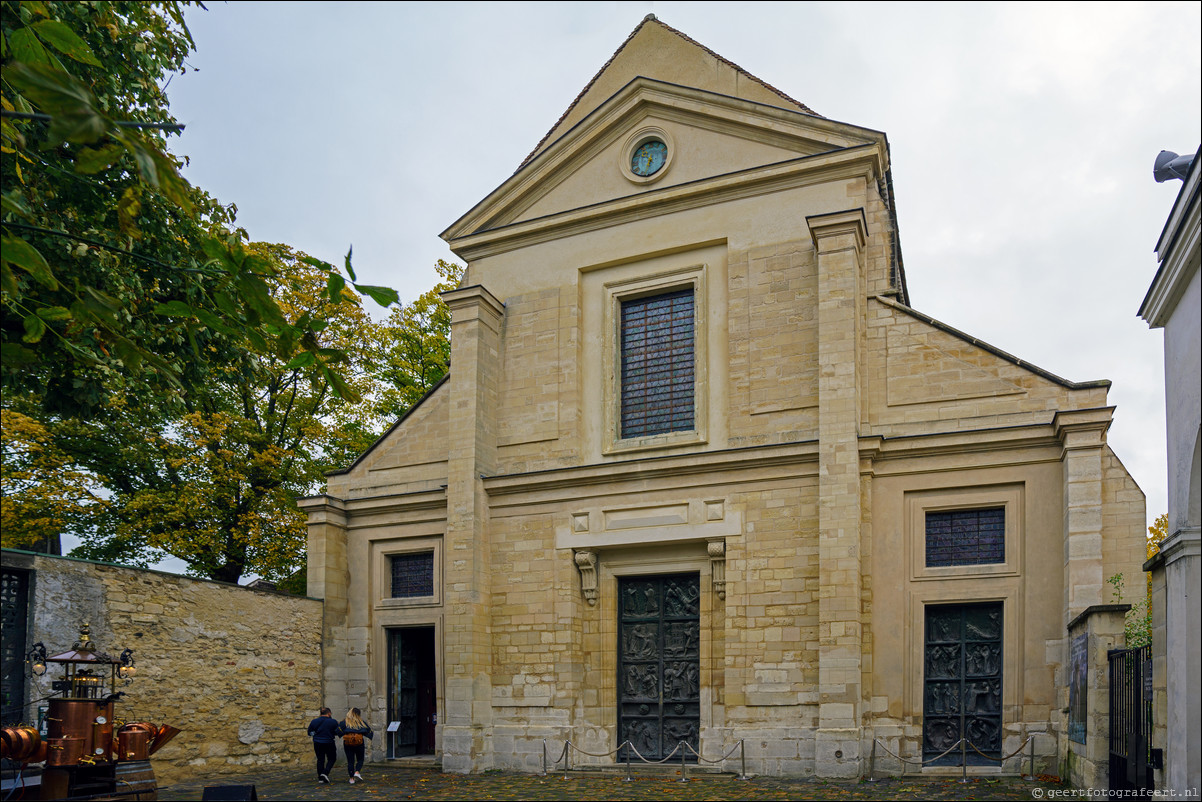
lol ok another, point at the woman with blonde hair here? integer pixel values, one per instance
(353, 729)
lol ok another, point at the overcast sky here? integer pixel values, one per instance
(1022, 138)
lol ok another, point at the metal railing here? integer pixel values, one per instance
(964, 745)
(681, 747)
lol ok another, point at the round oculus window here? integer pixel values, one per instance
(649, 158)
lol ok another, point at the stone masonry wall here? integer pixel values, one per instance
(237, 670)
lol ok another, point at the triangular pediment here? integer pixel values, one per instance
(709, 137)
(660, 52)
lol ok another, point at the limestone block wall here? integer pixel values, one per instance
(1123, 507)
(237, 670)
(416, 462)
(923, 378)
(772, 646)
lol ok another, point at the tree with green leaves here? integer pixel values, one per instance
(216, 485)
(169, 387)
(113, 265)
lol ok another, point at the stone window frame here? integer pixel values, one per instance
(918, 503)
(385, 552)
(977, 549)
(694, 277)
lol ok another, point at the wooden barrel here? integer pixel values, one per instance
(137, 778)
(56, 783)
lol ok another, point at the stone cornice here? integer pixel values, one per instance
(686, 467)
(861, 161)
(1179, 545)
(972, 441)
(639, 98)
(323, 509)
(1097, 609)
(1083, 428)
(1178, 251)
(418, 501)
(467, 303)
(834, 224)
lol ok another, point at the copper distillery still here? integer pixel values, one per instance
(84, 748)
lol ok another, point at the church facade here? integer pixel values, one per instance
(700, 473)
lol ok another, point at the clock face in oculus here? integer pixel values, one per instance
(649, 157)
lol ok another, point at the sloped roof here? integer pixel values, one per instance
(652, 19)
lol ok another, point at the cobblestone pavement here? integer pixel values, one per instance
(384, 783)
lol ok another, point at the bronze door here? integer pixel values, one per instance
(963, 682)
(659, 663)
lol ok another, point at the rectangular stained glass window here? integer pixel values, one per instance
(966, 537)
(657, 364)
(412, 575)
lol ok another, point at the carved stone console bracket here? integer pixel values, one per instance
(717, 552)
(586, 561)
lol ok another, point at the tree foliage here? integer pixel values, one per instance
(1157, 532)
(216, 484)
(170, 386)
(114, 266)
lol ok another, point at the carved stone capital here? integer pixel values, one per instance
(586, 561)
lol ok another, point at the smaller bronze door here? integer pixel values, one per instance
(659, 663)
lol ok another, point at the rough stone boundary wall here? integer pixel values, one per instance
(238, 670)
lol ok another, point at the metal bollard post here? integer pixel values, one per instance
(1031, 774)
(872, 763)
(742, 759)
(963, 760)
(684, 778)
(544, 757)
(628, 747)
(567, 758)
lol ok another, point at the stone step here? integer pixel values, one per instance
(665, 770)
(412, 762)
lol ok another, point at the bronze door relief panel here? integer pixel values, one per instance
(962, 695)
(659, 663)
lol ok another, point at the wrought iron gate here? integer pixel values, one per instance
(962, 693)
(659, 663)
(14, 607)
(1130, 718)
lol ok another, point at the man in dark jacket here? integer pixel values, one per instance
(322, 730)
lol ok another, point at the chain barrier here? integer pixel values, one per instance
(569, 747)
(963, 744)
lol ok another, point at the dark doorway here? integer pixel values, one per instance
(962, 693)
(659, 663)
(412, 690)
(14, 608)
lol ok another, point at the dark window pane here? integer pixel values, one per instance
(412, 575)
(966, 537)
(657, 364)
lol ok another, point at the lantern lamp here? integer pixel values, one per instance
(37, 659)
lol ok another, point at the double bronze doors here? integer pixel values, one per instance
(659, 663)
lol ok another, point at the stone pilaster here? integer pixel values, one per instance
(476, 318)
(1083, 435)
(839, 240)
(1177, 652)
(1087, 765)
(329, 580)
